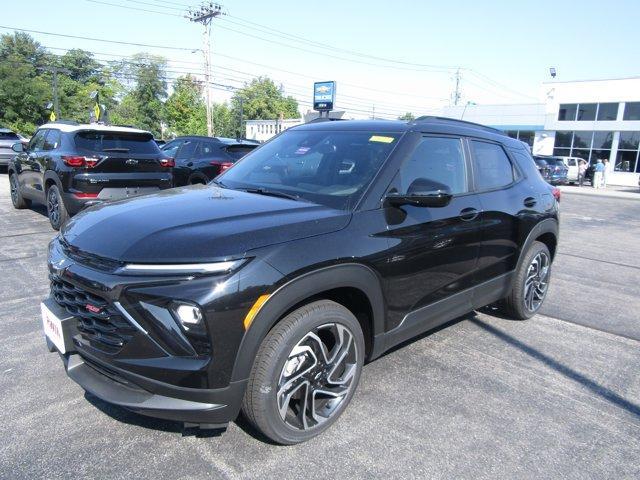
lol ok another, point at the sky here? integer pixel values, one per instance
(386, 57)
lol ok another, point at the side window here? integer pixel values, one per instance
(206, 149)
(440, 160)
(187, 150)
(491, 166)
(52, 140)
(37, 142)
(171, 148)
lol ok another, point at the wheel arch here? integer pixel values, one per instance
(547, 232)
(355, 286)
(51, 178)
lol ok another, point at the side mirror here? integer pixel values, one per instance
(422, 193)
(17, 147)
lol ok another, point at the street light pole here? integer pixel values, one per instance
(204, 15)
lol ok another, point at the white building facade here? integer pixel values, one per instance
(263, 130)
(594, 119)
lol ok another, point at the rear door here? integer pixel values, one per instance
(506, 202)
(120, 161)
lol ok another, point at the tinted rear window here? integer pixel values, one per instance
(239, 151)
(117, 142)
(8, 136)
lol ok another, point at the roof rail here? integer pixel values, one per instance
(426, 118)
(324, 119)
(65, 122)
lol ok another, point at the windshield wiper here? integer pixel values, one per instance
(270, 193)
(116, 149)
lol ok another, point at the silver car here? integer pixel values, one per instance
(8, 138)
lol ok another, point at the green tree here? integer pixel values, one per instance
(262, 100)
(407, 117)
(81, 65)
(142, 105)
(185, 109)
(25, 88)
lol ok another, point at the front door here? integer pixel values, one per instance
(433, 251)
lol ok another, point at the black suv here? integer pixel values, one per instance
(201, 159)
(268, 289)
(68, 166)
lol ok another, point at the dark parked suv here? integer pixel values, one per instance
(269, 288)
(201, 159)
(68, 166)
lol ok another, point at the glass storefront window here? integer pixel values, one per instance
(607, 111)
(561, 152)
(582, 139)
(563, 139)
(629, 140)
(587, 111)
(632, 111)
(602, 140)
(600, 154)
(626, 161)
(567, 111)
(527, 136)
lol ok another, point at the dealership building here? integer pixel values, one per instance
(591, 119)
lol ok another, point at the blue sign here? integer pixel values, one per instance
(324, 96)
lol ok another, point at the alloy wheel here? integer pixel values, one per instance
(537, 281)
(53, 206)
(317, 376)
(14, 189)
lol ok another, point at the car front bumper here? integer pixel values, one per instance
(206, 408)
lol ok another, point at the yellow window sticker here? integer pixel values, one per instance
(381, 139)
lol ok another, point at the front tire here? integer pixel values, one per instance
(19, 202)
(56, 210)
(305, 373)
(531, 283)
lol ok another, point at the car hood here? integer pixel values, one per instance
(196, 224)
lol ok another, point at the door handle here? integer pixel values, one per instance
(468, 214)
(530, 202)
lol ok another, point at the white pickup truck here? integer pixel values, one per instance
(572, 165)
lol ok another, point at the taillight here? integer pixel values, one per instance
(555, 191)
(78, 161)
(85, 195)
(223, 165)
(167, 162)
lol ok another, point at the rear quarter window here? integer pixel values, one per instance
(125, 142)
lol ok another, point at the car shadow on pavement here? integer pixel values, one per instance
(131, 418)
(603, 392)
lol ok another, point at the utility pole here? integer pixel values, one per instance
(54, 71)
(457, 95)
(204, 15)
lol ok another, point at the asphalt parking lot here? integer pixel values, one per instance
(557, 396)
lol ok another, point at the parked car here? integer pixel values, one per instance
(68, 166)
(8, 139)
(269, 288)
(544, 168)
(201, 159)
(556, 170)
(572, 164)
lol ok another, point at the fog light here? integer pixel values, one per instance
(189, 315)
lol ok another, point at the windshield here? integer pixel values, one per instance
(125, 142)
(325, 167)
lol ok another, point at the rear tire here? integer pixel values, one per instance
(305, 373)
(530, 285)
(56, 210)
(19, 202)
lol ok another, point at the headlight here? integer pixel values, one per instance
(189, 315)
(180, 268)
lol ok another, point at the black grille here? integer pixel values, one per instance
(105, 328)
(88, 259)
